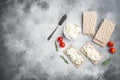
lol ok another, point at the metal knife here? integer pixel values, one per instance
(59, 24)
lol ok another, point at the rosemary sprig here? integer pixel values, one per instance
(107, 61)
(56, 47)
(64, 59)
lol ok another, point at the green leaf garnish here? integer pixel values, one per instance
(64, 59)
(107, 61)
(56, 47)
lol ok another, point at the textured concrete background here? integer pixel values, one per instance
(25, 53)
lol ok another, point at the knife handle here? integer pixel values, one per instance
(52, 34)
(62, 19)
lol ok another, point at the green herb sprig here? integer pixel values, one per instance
(64, 59)
(107, 61)
(56, 47)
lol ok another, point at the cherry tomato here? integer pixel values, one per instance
(110, 44)
(60, 39)
(62, 44)
(112, 50)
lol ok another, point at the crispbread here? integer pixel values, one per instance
(104, 32)
(79, 54)
(89, 22)
(89, 49)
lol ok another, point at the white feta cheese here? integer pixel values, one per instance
(92, 53)
(74, 56)
(72, 31)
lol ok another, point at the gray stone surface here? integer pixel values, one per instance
(25, 53)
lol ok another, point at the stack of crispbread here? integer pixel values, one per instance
(104, 32)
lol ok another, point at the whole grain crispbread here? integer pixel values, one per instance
(80, 54)
(89, 22)
(104, 32)
(85, 52)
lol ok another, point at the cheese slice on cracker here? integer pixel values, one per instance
(89, 22)
(91, 53)
(104, 32)
(74, 55)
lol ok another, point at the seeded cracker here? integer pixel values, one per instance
(91, 53)
(81, 58)
(89, 22)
